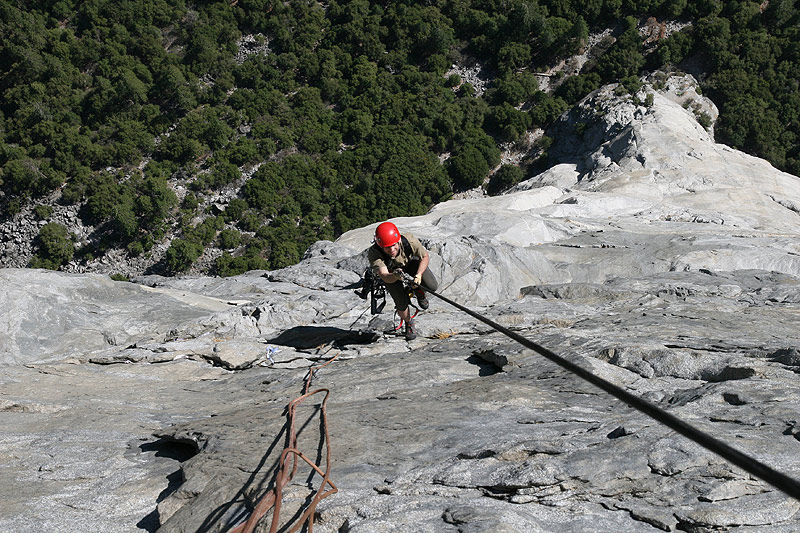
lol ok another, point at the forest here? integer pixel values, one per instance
(320, 117)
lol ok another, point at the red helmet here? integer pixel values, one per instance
(386, 234)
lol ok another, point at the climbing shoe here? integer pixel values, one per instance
(422, 300)
(411, 334)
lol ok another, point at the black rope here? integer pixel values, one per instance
(780, 481)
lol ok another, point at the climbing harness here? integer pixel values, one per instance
(374, 288)
(780, 481)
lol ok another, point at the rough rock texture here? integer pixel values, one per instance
(657, 259)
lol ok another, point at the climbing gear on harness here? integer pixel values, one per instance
(372, 286)
(386, 234)
(414, 291)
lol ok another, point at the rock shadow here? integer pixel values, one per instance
(485, 368)
(171, 449)
(306, 337)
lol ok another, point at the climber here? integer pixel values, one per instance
(393, 254)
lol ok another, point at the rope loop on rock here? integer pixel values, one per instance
(780, 481)
(288, 467)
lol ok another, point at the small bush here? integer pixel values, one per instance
(135, 249)
(229, 239)
(55, 248)
(468, 168)
(181, 254)
(42, 212)
(190, 202)
(506, 176)
(704, 119)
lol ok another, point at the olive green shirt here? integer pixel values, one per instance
(377, 258)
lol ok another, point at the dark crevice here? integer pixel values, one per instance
(481, 454)
(484, 368)
(618, 432)
(176, 450)
(732, 398)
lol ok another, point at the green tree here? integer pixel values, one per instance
(181, 254)
(625, 57)
(752, 125)
(780, 12)
(173, 89)
(514, 88)
(227, 265)
(546, 109)
(508, 122)
(673, 8)
(55, 248)
(576, 38)
(243, 152)
(743, 14)
(124, 223)
(714, 37)
(467, 168)
(513, 56)
(102, 193)
(506, 176)
(704, 8)
(674, 48)
(154, 197)
(229, 239)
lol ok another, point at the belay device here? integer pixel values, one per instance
(373, 287)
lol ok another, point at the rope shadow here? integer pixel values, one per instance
(218, 514)
(257, 482)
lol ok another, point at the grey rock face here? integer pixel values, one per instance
(54, 315)
(656, 259)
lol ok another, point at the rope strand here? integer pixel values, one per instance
(780, 481)
(288, 467)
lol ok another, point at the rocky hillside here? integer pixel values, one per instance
(650, 255)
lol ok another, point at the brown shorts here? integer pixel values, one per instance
(400, 295)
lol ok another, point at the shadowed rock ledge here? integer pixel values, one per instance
(665, 263)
